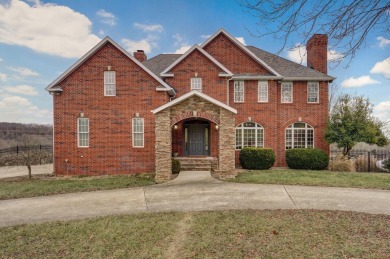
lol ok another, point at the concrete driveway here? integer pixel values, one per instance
(191, 191)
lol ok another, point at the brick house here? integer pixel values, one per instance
(117, 113)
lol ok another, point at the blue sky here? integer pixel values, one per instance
(40, 39)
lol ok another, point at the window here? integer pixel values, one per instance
(109, 83)
(82, 132)
(287, 92)
(239, 91)
(263, 92)
(138, 132)
(196, 84)
(312, 92)
(299, 135)
(249, 134)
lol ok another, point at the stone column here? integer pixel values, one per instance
(226, 144)
(163, 146)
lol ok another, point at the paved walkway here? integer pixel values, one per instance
(13, 171)
(191, 191)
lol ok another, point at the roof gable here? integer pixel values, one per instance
(166, 73)
(189, 95)
(242, 47)
(54, 85)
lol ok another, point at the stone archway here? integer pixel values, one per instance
(194, 105)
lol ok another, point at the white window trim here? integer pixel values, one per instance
(307, 127)
(257, 127)
(78, 132)
(195, 81)
(318, 92)
(111, 84)
(292, 92)
(258, 91)
(243, 91)
(143, 132)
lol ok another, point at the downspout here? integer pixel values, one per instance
(227, 88)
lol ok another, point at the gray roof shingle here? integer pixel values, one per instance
(284, 67)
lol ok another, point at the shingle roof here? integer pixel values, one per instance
(287, 68)
(160, 62)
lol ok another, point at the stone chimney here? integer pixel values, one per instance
(317, 52)
(140, 55)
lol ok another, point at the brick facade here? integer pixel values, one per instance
(110, 117)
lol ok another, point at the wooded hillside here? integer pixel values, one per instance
(12, 134)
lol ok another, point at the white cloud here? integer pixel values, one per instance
(298, 54)
(132, 46)
(382, 111)
(3, 77)
(182, 49)
(382, 67)
(107, 17)
(178, 39)
(23, 71)
(1, 60)
(241, 39)
(46, 28)
(20, 109)
(358, 82)
(101, 32)
(22, 89)
(383, 41)
(205, 37)
(149, 28)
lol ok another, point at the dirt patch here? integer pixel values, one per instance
(179, 238)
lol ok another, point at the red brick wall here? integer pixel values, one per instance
(317, 52)
(232, 57)
(197, 63)
(110, 149)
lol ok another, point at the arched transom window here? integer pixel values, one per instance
(249, 134)
(299, 135)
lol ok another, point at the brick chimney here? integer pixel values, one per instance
(140, 55)
(317, 52)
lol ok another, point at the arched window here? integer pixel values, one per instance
(249, 134)
(299, 135)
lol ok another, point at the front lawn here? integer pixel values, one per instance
(219, 234)
(316, 178)
(21, 187)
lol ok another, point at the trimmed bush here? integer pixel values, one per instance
(176, 166)
(386, 164)
(257, 158)
(307, 158)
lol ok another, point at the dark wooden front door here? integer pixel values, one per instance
(195, 141)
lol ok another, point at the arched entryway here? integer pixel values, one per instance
(206, 122)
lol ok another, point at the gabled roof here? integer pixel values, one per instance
(160, 62)
(51, 87)
(242, 47)
(190, 94)
(290, 70)
(166, 73)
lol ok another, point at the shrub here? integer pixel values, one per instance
(342, 165)
(307, 158)
(257, 158)
(175, 166)
(386, 164)
(362, 163)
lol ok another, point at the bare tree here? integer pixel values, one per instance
(335, 92)
(347, 23)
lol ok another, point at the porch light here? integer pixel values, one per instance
(175, 127)
(216, 127)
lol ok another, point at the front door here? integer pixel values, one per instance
(196, 140)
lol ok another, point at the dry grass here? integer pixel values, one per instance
(221, 234)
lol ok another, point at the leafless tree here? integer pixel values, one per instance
(347, 23)
(335, 91)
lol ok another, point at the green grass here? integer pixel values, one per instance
(220, 234)
(22, 188)
(316, 178)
